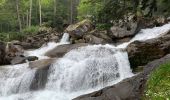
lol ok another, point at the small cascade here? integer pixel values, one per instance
(80, 71)
(149, 33)
(65, 38)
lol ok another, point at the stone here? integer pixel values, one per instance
(32, 58)
(14, 52)
(94, 40)
(61, 50)
(142, 52)
(41, 64)
(2, 53)
(79, 29)
(18, 60)
(127, 30)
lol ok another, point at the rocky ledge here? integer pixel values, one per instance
(142, 52)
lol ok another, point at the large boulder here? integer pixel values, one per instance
(128, 89)
(94, 40)
(94, 37)
(15, 52)
(44, 35)
(61, 50)
(2, 53)
(79, 29)
(18, 60)
(142, 52)
(126, 30)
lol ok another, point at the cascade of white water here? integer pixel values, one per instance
(148, 33)
(65, 38)
(15, 79)
(82, 70)
(88, 68)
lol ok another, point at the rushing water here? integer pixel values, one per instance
(80, 71)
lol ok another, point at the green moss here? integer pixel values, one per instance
(158, 85)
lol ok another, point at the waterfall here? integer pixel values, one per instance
(15, 79)
(80, 71)
(65, 38)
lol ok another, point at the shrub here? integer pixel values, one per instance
(30, 30)
(19, 35)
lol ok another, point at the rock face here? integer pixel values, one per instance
(45, 34)
(60, 50)
(2, 53)
(140, 53)
(40, 77)
(79, 29)
(14, 53)
(126, 30)
(18, 60)
(128, 89)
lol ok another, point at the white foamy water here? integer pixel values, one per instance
(15, 79)
(80, 71)
(149, 33)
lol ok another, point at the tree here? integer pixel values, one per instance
(30, 14)
(40, 12)
(18, 15)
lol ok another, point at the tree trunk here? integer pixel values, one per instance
(71, 11)
(27, 23)
(30, 14)
(55, 10)
(40, 12)
(18, 16)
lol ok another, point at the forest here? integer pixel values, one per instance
(20, 16)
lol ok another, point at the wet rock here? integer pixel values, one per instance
(13, 52)
(79, 29)
(61, 50)
(142, 52)
(101, 34)
(27, 46)
(40, 78)
(41, 64)
(94, 40)
(2, 53)
(128, 89)
(44, 35)
(94, 37)
(127, 29)
(18, 60)
(32, 58)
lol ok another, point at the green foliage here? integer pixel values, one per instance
(158, 85)
(9, 36)
(89, 8)
(163, 7)
(104, 26)
(30, 30)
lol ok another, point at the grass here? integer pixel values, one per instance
(158, 85)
